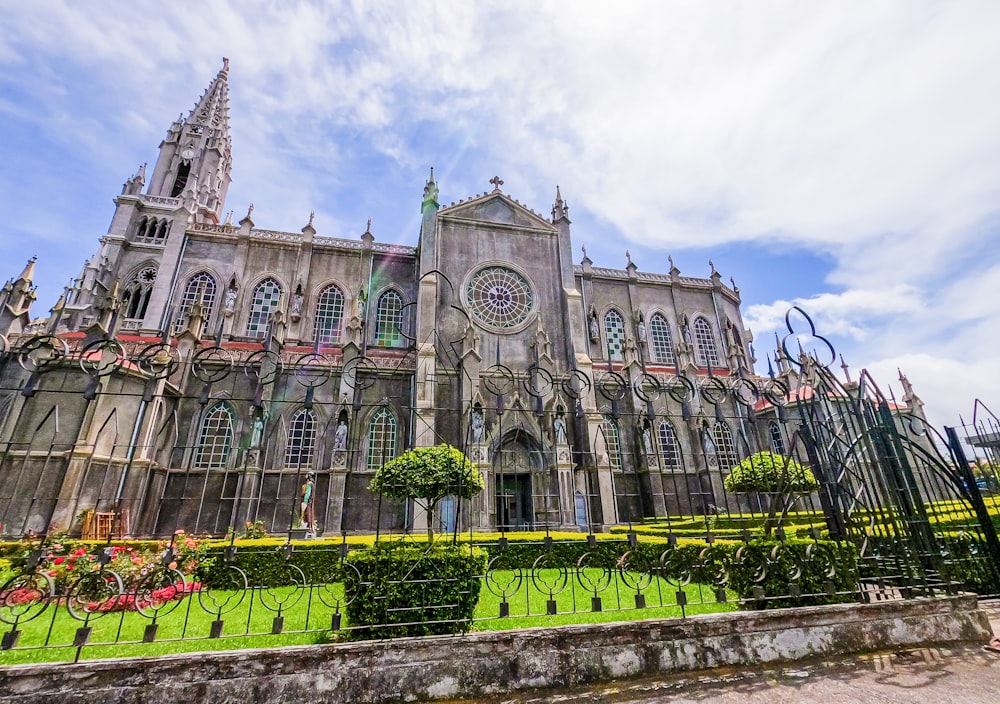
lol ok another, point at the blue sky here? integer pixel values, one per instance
(843, 156)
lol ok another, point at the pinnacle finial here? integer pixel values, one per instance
(312, 216)
(628, 257)
(584, 248)
(670, 258)
(431, 179)
(497, 182)
(369, 228)
(225, 65)
(712, 265)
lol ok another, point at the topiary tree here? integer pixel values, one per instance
(775, 475)
(427, 475)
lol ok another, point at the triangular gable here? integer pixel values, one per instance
(497, 208)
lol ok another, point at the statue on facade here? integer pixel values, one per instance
(257, 434)
(340, 436)
(595, 328)
(647, 441)
(642, 330)
(477, 424)
(297, 304)
(559, 428)
(230, 304)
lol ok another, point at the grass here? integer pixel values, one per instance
(49, 637)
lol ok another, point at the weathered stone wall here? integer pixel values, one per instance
(493, 663)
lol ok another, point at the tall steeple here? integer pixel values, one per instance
(196, 155)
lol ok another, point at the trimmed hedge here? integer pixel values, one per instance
(397, 590)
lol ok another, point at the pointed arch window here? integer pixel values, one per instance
(216, 438)
(613, 440)
(329, 314)
(389, 320)
(135, 298)
(705, 341)
(663, 346)
(614, 328)
(203, 285)
(381, 439)
(725, 446)
(777, 442)
(265, 298)
(301, 439)
(670, 451)
(183, 172)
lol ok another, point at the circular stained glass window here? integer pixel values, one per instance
(499, 297)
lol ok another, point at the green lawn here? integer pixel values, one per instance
(308, 620)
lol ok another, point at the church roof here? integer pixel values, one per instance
(497, 207)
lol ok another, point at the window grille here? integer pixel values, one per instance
(301, 439)
(659, 334)
(381, 439)
(707, 353)
(725, 447)
(612, 438)
(215, 439)
(777, 442)
(670, 451)
(204, 283)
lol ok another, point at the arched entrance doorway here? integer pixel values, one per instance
(516, 462)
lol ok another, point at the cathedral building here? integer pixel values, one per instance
(199, 370)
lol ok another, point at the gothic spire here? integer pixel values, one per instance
(29, 271)
(212, 110)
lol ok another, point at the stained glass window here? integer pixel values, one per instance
(499, 297)
(725, 447)
(614, 328)
(266, 296)
(329, 314)
(389, 320)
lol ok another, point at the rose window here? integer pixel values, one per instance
(499, 297)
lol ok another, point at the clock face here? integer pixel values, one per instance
(188, 153)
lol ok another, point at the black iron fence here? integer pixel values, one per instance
(166, 495)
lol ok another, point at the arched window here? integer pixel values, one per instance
(301, 439)
(777, 442)
(670, 451)
(200, 285)
(329, 314)
(216, 438)
(183, 172)
(659, 335)
(614, 328)
(389, 320)
(135, 298)
(705, 341)
(265, 298)
(140, 227)
(381, 439)
(613, 439)
(725, 447)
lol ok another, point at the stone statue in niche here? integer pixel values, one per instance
(647, 441)
(595, 329)
(340, 437)
(477, 424)
(642, 330)
(258, 431)
(297, 300)
(230, 304)
(559, 428)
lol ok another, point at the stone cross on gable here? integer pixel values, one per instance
(497, 182)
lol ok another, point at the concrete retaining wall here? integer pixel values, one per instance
(493, 663)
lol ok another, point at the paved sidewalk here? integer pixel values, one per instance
(953, 675)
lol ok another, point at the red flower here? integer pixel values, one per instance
(79, 552)
(53, 573)
(59, 561)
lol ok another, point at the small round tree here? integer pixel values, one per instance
(427, 475)
(775, 475)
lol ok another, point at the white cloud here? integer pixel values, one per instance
(863, 132)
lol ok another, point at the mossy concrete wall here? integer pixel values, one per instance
(481, 664)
